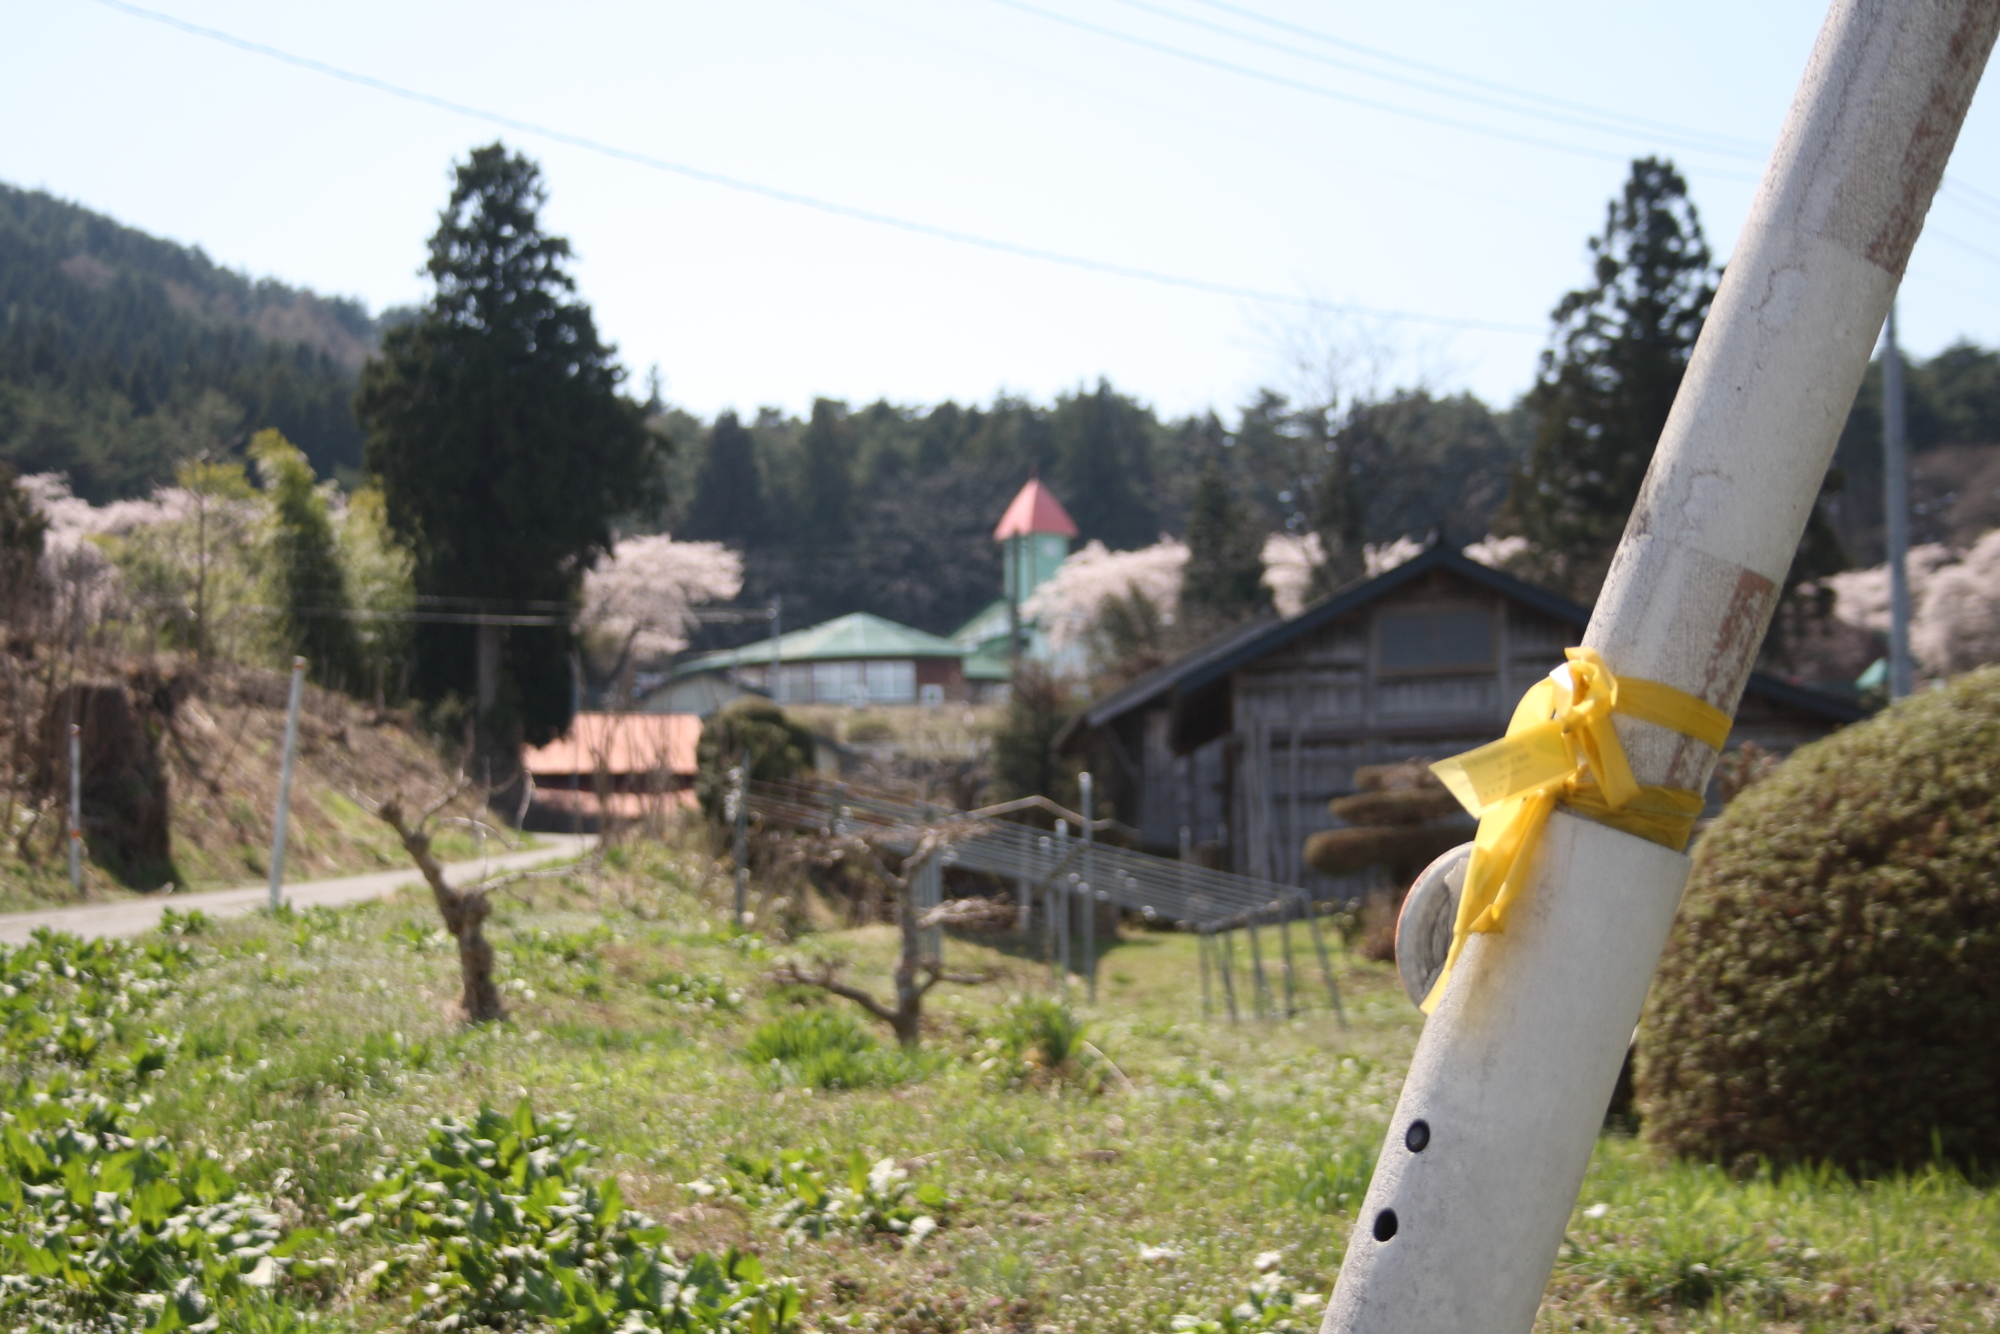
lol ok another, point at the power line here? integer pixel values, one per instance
(1491, 95)
(1730, 144)
(1300, 85)
(848, 211)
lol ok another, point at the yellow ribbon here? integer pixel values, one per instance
(1561, 747)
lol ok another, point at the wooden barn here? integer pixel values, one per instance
(1241, 743)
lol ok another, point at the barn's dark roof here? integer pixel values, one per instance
(1215, 660)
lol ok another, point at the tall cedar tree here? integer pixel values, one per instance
(1105, 467)
(1224, 581)
(23, 534)
(728, 496)
(1620, 348)
(503, 445)
(313, 604)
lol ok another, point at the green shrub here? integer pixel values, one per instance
(1834, 980)
(802, 1195)
(99, 1229)
(779, 750)
(824, 1049)
(1040, 1041)
(502, 1227)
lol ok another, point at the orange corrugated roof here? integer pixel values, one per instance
(1035, 510)
(620, 743)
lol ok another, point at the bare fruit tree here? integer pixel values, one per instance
(917, 971)
(464, 908)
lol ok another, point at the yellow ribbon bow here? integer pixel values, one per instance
(1561, 747)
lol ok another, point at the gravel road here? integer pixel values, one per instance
(130, 917)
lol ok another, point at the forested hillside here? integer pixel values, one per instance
(122, 354)
(891, 509)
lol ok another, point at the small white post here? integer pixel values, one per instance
(741, 815)
(284, 814)
(1089, 892)
(75, 809)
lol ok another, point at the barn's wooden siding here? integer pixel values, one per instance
(1304, 716)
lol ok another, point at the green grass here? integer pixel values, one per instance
(310, 1052)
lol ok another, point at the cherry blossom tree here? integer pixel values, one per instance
(637, 600)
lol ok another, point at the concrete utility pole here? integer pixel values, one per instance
(1507, 1090)
(1896, 500)
(283, 818)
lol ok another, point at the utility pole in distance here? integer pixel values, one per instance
(1896, 499)
(1506, 1092)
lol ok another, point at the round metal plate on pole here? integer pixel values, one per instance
(1462, 1223)
(1423, 926)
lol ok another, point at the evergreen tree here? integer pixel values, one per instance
(1224, 581)
(23, 532)
(1620, 348)
(1103, 443)
(504, 450)
(728, 496)
(310, 584)
(826, 507)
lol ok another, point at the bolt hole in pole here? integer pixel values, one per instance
(1385, 1225)
(1418, 1137)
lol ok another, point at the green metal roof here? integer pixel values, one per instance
(845, 638)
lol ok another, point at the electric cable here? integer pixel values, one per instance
(793, 197)
(1589, 119)
(1296, 85)
(1724, 143)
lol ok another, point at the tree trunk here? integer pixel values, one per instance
(464, 913)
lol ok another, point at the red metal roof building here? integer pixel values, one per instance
(626, 765)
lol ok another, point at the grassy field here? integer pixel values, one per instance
(1176, 1174)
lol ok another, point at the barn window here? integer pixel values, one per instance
(1456, 640)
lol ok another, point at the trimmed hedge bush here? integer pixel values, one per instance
(1832, 989)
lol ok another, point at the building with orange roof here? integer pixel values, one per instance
(627, 766)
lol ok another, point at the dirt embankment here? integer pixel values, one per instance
(180, 768)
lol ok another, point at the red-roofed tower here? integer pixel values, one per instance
(1034, 536)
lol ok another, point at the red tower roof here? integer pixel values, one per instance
(1035, 510)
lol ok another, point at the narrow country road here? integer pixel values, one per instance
(129, 917)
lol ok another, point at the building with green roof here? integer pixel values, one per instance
(854, 659)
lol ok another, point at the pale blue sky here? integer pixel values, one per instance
(989, 117)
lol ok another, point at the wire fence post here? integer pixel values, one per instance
(75, 810)
(1089, 892)
(283, 821)
(1201, 948)
(741, 852)
(1285, 944)
(1325, 964)
(1225, 955)
(1260, 984)
(1067, 906)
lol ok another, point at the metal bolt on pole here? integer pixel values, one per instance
(1896, 501)
(75, 809)
(283, 818)
(1505, 1095)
